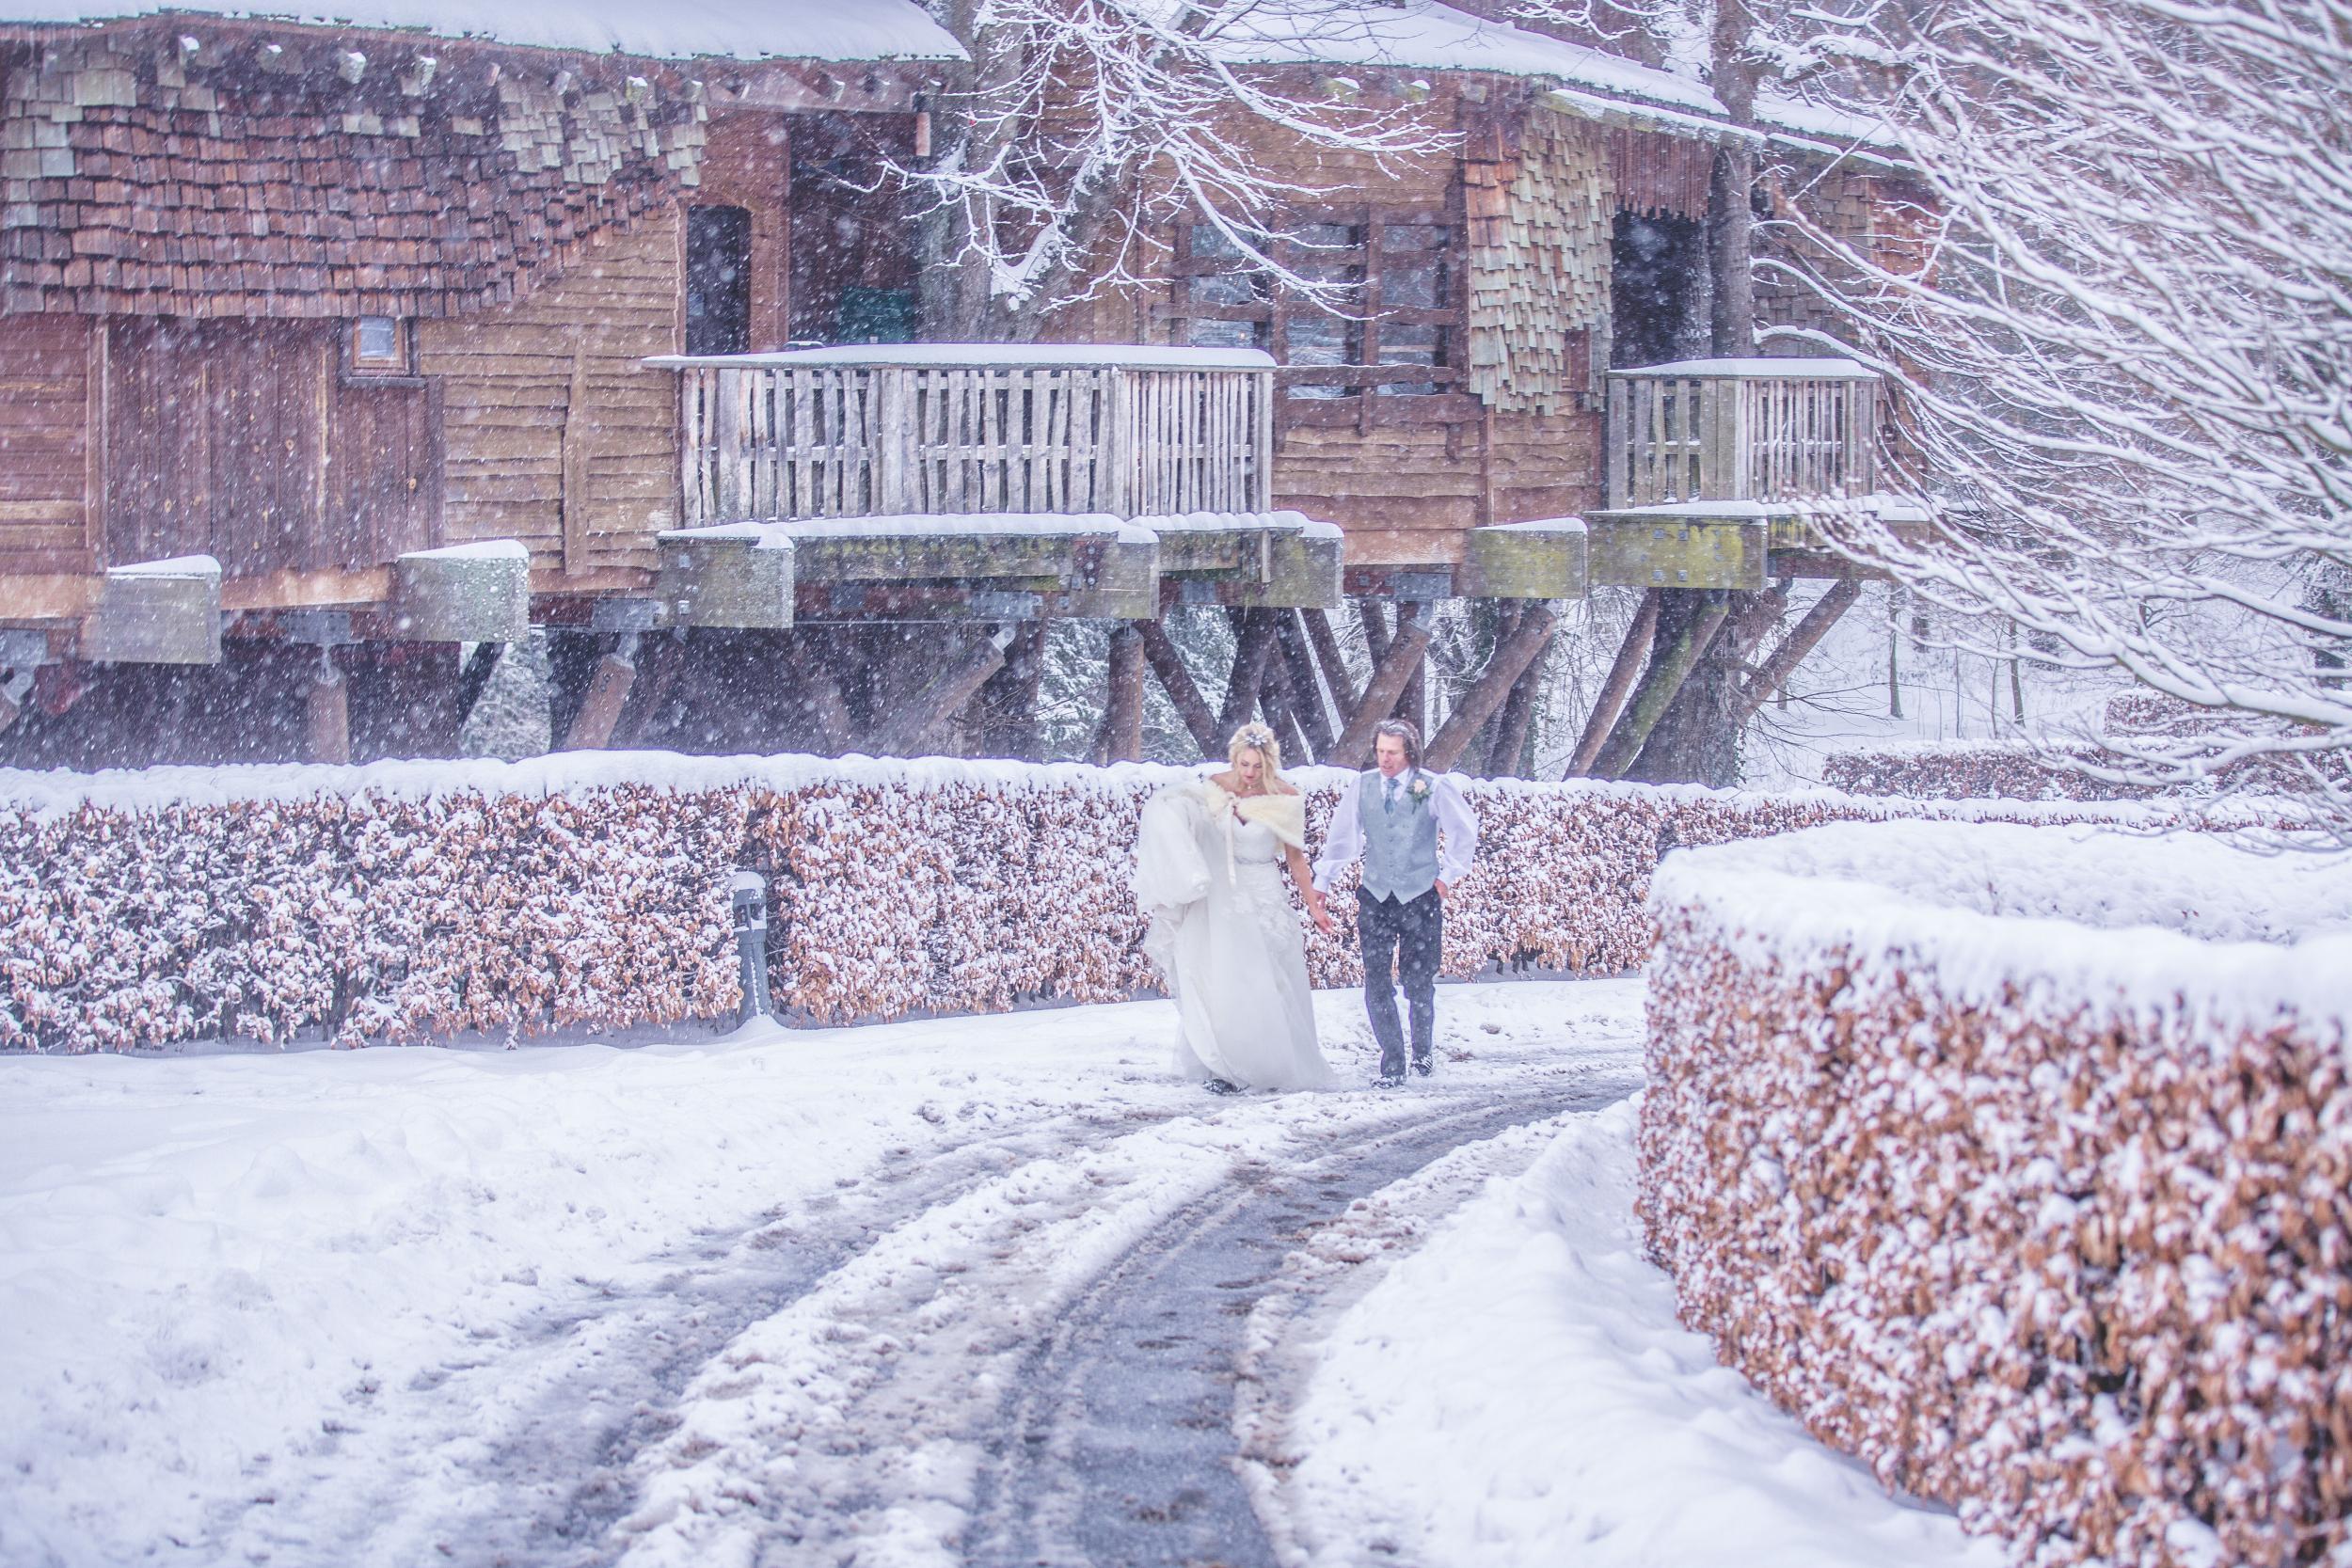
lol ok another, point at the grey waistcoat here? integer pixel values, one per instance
(1400, 846)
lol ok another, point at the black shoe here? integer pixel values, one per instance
(1221, 1086)
(1425, 1067)
(1388, 1081)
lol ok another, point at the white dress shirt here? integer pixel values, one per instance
(1458, 828)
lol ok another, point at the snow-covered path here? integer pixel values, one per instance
(984, 1291)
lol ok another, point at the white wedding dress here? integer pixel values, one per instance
(1225, 937)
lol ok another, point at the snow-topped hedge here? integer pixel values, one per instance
(2018, 1161)
(409, 900)
(1967, 770)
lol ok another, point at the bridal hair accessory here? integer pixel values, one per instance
(1257, 737)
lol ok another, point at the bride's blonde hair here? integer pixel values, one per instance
(1261, 740)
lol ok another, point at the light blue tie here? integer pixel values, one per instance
(1388, 802)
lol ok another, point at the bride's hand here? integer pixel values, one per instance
(1319, 911)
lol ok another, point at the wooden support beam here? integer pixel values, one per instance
(1507, 757)
(663, 661)
(1335, 676)
(1298, 664)
(822, 705)
(1169, 665)
(328, 713)
(1123, 708)
(1511, 659)
(1774, 674)
(1389, 680)
(608, 693)
(908, 728)
(1669, 664)
(474, 678)
(1632, 655)
(1412, 704)
(1376, 629)
(1253, 642)
(1281, 712)
(1003, 718)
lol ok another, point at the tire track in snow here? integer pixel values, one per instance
(597, 1381)
(865, 1422)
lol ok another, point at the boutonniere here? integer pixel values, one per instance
(1418, 791)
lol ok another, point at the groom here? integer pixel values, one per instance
(1392, 817)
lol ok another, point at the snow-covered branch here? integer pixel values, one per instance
(1087, 124)
(2129, 371)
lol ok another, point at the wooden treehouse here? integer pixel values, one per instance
(327, 349)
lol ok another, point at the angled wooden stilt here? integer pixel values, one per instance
(1252, 645)
(1680, 644)
(1169, 665)
(1773, 675)
(1510, 660)
(1389, 678)
(1326, 643)
(1633, 654)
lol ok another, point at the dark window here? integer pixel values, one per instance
(1658, 270)
(718, 280)
(1398, 280)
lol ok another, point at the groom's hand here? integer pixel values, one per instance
(1445, 892)
(1319, 911)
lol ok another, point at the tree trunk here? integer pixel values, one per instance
(1687, 622)
(1123, 708)
(1335, 676)
(1696, 740)
(1306, 692)
(1516, 723)
(1412, 704)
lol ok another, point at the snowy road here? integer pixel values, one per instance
(983, 1290)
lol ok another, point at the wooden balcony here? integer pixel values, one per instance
(1742, 430)
(932, 428)
(1713, 467)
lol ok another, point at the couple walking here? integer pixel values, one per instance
(1208, 869)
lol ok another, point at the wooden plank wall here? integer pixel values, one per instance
(555, 432)
(248, 442)
(45, 454)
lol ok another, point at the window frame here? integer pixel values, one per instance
(1359, 404)
(402, 361)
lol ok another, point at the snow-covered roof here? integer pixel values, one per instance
(1131, 355)
(665, 30)
(1405, 34)
(1439, 37)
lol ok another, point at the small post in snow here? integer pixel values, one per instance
(751, 943)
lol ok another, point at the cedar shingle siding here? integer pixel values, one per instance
(135, 182)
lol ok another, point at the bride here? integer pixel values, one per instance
(1209, 865)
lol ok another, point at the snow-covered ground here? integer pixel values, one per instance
(1516, 1391)
(706, 1299)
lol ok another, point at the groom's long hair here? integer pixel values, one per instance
(1405, 733)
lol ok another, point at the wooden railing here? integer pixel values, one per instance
(1758, 430)
(970, 428)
